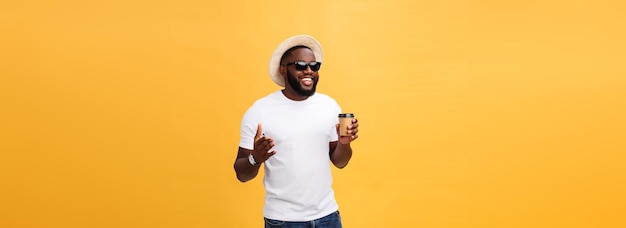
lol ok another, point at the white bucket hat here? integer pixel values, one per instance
(299, 40)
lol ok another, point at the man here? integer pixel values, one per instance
(294, 132)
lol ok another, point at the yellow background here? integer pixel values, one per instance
(473, 113)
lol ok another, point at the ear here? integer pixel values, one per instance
(283, 70)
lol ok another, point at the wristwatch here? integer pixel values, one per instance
(251, 160)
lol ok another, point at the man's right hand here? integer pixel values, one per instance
(262, 146)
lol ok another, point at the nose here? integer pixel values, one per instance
(308, 69)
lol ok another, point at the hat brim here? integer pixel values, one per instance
(299, 40)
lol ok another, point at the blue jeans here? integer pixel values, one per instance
(330, 221)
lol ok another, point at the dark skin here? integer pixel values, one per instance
(340, 151)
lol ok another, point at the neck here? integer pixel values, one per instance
(292, 95)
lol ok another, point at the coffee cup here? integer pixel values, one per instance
(345, 119)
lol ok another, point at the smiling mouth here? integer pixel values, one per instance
(307, 81)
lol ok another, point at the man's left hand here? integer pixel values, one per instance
(353, 129)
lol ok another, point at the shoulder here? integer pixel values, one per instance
(325, 98)
(267, 100)
(328, 103)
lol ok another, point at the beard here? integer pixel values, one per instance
(297, 87)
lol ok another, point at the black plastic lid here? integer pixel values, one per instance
(346, 115)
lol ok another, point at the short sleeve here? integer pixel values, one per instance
(333, 133)
(249, 125)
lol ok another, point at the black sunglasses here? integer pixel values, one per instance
(302, 65)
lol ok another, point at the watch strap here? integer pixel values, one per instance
(251, 160)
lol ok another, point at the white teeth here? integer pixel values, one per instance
(307, 81)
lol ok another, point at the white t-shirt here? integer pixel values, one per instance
(298, 177)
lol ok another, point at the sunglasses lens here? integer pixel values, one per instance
(315, 66)
(301, 66)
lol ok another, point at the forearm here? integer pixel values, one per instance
(341, 155)
(245, 171)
